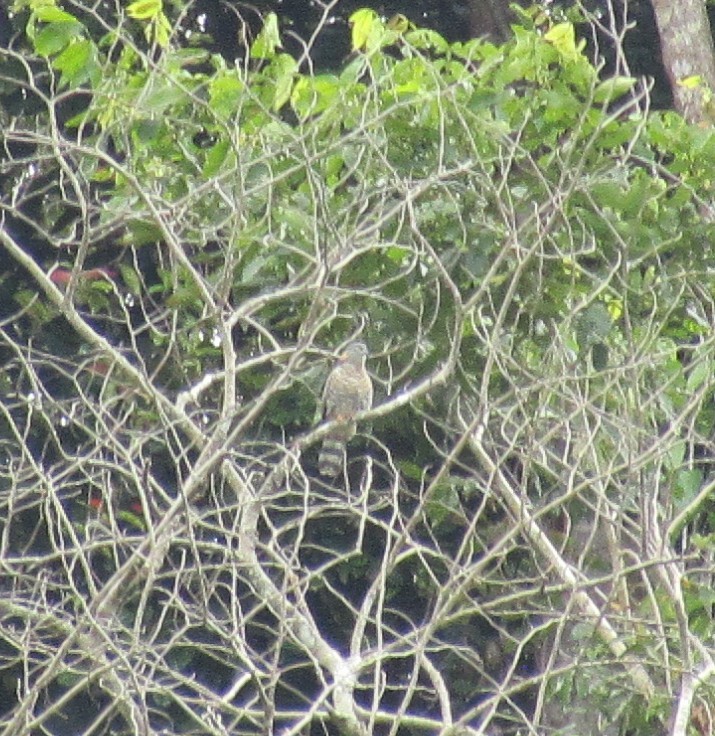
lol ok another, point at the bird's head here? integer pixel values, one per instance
(354, 353)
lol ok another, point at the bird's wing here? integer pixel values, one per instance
(347, 391)
(331, 394)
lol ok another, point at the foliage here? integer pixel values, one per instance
(524, 249)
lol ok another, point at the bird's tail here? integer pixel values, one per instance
(330, 458)
(332, 453)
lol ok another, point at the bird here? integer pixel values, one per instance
(348, 391)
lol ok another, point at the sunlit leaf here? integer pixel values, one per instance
(53, 14)
(144, 9)
(161, 30)
(615, 307)
(563, 37)
(692, 82)
(363, 22)
(268, 39)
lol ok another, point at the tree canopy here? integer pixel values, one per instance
(521, 536)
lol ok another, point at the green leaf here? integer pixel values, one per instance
(78, 64)
(334, 166)
(160, 30)
(700, 372)
(144, 9)
(675, 455)
(563, 37)
(142, 232)
(692, 82)
(130, 278)
(53, 14)
(284, 68)
(313, 95)
(365, 24)
(411, 470)
(163, 93)
(688, 482)
(67, 679)
(399, 23)
(423, 38)
(225, 93)
(443, 504)
(216, 158)
(56, 36)
(582, 631)
(133, 520)
(268, 40)
(611, 89)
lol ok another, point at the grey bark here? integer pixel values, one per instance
(490, 18)
(687, 51)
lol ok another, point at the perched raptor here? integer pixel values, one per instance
(347, 392)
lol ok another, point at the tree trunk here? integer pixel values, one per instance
(686, 46)
(490, 18)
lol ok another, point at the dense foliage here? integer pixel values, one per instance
(522, 537)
